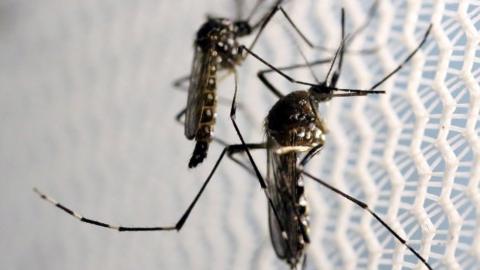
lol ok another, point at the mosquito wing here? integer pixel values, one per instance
(200, 80)
(284, 189)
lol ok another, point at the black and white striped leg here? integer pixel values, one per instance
(424, 39)
(99, 223)
(178, 226)
(304, 161)
(363, 205)
(371, 212)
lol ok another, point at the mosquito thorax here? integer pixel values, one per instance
(293, 122)
(219, 36)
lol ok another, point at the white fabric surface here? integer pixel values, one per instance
(87, 115)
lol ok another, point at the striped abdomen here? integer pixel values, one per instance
(203, 137)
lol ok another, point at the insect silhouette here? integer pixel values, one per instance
(295, 134)
(216, 48)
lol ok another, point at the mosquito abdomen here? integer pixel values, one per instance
(204, 133)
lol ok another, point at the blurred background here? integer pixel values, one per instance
(87, 113)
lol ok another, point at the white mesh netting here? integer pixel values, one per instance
(87, 113)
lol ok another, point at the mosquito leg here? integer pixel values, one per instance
(304, 161)
(372, 12)
(405, 60)
(252, 162)
(269, 85)
(179, 116)
(313, 152)
(254, 9)
(339, 53)
(250, 158)
(99, 223)
(232, 150)
(290, 79)
(263, 23)
(180, 82)
(240, 148)
(367, 208)
(178, 226)
(281, 73)
(233, 112)
(267, 19)
(304, 263)
(262, 74)
(220, 141)
(237, 150)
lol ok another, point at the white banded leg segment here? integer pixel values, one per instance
(371, 212)
(99, 223)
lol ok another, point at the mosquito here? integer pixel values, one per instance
(295, 133)
(217, 48)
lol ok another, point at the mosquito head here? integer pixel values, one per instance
(321, 92)
(324, 92)
(242, 28)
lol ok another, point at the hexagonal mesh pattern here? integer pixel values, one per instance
(411, 154)
(88, 111)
